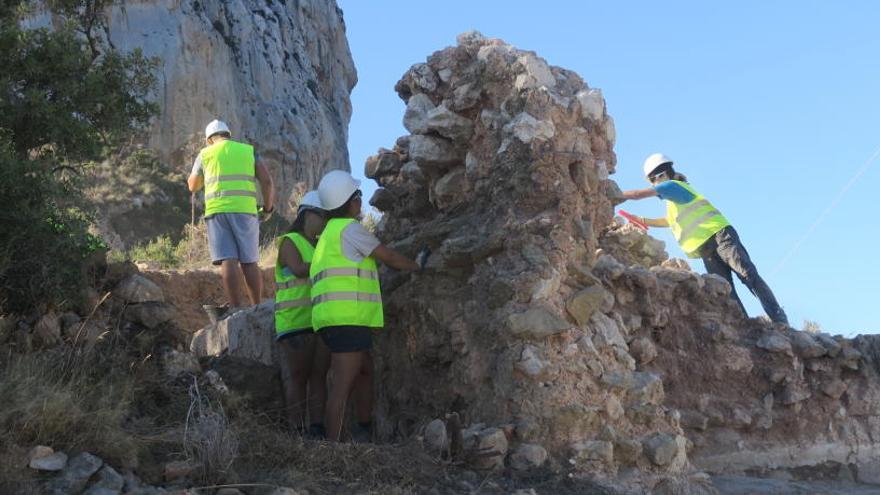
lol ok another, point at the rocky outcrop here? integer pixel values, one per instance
(505, 177)
(280, 73)
(241, 350)
(246, 334)
(541, 316)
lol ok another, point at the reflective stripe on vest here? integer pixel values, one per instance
(291, 283)
(347, 296)
(230, 178)
(345, 272)
(343, 292)
(295, 303)
(230, 192)
(293, 300)
(221, 178)
(695, 222)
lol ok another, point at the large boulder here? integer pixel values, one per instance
(248, 333)
(137, 289)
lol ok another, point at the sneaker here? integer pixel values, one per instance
(361, 434)
(780, 317)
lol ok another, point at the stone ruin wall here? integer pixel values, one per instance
(542, 318)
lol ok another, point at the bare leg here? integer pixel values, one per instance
(295, 367)
(254, 281)
(231, 281)
(345, 366)
(318, 381)
(363, 391)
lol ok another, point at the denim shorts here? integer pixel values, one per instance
(234, 236)
(347, 338)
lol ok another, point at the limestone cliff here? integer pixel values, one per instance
(279, 72)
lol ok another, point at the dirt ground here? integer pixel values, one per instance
(188, 290)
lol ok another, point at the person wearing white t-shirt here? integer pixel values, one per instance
(347, 302)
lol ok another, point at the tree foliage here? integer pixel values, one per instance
(67, 100)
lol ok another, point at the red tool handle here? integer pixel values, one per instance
(633, 219)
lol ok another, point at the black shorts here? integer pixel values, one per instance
(297, 339)
(347, 338)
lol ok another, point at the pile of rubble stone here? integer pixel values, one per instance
(559, 335)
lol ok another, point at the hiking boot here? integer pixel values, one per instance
(316, 432)
(361, 433)
(216, 313)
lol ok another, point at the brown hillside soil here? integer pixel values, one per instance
(188, 290)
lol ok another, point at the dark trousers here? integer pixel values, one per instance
(724, 254)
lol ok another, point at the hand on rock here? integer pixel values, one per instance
(422, 257)
(638, 222)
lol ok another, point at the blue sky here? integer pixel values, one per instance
(769, 108)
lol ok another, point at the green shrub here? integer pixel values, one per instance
(67, 100)
(161, 250)
(190, 252)
(44, 243)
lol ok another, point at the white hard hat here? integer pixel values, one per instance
(336, 187)
(654, 161)
(311, 201)
(216, 127)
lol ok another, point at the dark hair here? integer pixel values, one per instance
(670, 172)
(299, 223)
(663, 168)
(342, 211)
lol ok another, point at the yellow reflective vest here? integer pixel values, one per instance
(230, 178)
(695, 222)
(293, 302)
(343, 292)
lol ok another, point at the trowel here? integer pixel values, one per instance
(633, 219)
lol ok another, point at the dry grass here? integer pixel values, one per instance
(192, 251)
(109, 399)
(268, 254)
(70, 409)
(275, 456)
(208, 439)
(43, 404)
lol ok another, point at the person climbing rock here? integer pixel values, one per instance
(304, 358)
(229, 170)
(703, 232)
(347, 300)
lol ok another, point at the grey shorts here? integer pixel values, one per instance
(234, 236)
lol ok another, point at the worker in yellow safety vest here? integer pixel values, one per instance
(229, 171)
(703, 232)
(347, 300)
(304, 358)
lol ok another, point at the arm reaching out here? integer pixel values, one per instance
(639, 193)
(394, 259)
(655, 222)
